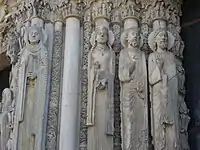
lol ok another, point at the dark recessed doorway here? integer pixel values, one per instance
(191, 35)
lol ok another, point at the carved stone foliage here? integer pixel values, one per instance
(87, 26)
(100, 109)
(153, 9)
(101, 9)
(116, 28)
(29, 9)
(26, 77)
(53, 115)
(130, 9)
(71, 8)
(145, 31)
(178, 47)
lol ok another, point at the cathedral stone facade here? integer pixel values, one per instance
(92, 75)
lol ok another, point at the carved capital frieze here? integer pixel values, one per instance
(116, 16)
(36, 8)
(101, 9)
(70, 9)
(57, 13)
(160, 9)
(129, 10)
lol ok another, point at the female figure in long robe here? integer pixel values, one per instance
(133, 77)
(100, 91)
(31, 100)
(164, 92)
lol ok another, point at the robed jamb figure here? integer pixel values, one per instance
(101, 73)
(164, 91)
(30, 105)
(133, 96)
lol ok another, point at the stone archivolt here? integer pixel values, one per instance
(114, 15)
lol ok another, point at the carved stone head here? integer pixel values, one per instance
(161, 40)
(34, 36)
(133, 38)
(101, 35)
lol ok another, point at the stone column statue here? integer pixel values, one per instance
(164, 91)
(6, 118)
(101, 71)
(183, 110)
(32, 84)
(133, 77)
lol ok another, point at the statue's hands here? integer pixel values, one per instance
(10, 108)
(97, 65)
(140, 87)
(102, 84)
(132, 68)
(159, 61)
(32, 76)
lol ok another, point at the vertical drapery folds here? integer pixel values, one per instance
(157, 23)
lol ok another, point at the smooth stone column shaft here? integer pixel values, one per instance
(70, 90)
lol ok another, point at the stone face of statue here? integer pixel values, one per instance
(133, 39)
(102, 35)
(34, 36)
(161, 40)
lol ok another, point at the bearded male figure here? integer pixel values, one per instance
(133, 96)
(163, 91)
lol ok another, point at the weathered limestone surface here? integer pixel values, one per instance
(164, 92)
(133, 77)
(101, 67)
(98, 95)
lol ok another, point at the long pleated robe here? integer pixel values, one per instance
(31, 100)
(100, 101)
(133, 96)
(164, 102)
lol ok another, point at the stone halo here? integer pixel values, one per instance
(125, 34)
(152, 36)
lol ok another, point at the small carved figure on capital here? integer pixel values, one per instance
(101, 73)
(133, 96)
(163, 81)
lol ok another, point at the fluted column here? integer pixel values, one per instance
(70, 84)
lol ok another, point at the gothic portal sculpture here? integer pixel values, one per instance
(101, 71)
(31, 98)
(6, 119)
(183, 110)
(163, 91)
(133, 77)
